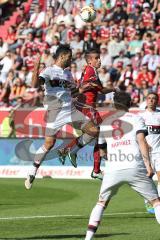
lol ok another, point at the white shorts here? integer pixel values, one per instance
(136, 178)
(59, 115)
(155, 160)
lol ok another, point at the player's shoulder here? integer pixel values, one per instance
(134, 118)
(89, 70)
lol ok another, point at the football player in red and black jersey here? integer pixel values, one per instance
(89, 87)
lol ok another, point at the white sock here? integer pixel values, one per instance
(157, 212)
(89, 235)
(158, 189)
(94, 220)
(39, 157)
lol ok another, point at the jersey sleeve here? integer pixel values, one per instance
(45, 74)
(140, 126)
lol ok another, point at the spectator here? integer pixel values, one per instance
(55, 44)
(119, 13)
(122, 58)
(6, 64)
(3, 48)
(21, 15)
(17, 92)
(11, 37)
(144, 91)
(29, 59)
(75, 73)
(126, 77)
(29, 43)
(157, 79)
(46, 58)
(51, 34)
(7, 86)
(79, 60)
(137, 59)
(89, 43)
(135, 43)
(151, 59)
(106, 59)
(37, 19)
(144, 75)
(62, 32)
(136, 14)
(77, 43)
(104, 76)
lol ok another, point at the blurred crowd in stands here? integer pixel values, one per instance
(126, 32)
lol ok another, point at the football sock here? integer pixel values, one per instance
(157, 212)
(39, 157)
(94, 220)
(97, 159)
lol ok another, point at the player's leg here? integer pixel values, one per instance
(110, 185)
(53, 124)
(89, 130)
(38, 159)
(95, 219)
(145, 187)
(155, 159)
(97, 173)
(156, 165)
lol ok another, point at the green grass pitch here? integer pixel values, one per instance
(59, 209)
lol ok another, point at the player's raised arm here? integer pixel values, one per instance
(35, 79)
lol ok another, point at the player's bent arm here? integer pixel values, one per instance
(145, 152)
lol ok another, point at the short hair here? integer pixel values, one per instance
(62, 49)
(155, 94)
(122, 100)
(90, 52)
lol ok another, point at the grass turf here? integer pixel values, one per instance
(69, 203)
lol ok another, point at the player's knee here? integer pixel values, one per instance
(102, 203)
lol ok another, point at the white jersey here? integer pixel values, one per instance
(53, 73)
(152, 121)
(119, 132)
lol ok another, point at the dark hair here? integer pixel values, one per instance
(91, 51)
(122, 100)
(62, 49)
(155, 94)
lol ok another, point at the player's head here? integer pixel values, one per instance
(152, 101)
(93, 58)
(63, 55)
(122, 100)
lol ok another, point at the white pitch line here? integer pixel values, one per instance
(69, 215)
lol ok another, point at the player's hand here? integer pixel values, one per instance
(150, 172)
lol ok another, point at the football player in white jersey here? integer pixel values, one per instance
(151, 118)
(128, 160)
(58, 83)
